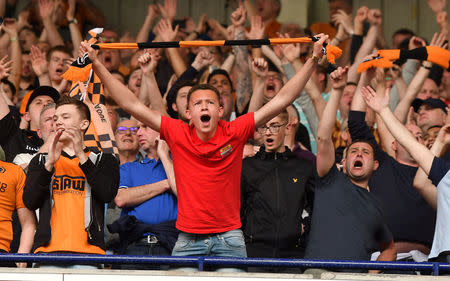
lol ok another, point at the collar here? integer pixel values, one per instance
(263, 154)
(63, 153)
(214, 140)
(147, 160)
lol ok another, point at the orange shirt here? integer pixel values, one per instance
(12, 182)
(67, 221)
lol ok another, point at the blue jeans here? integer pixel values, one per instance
(225, 244)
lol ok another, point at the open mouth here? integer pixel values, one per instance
(358, 164)
(205, 118)
(107, 59)
(59, 71)
(269, 141)
(270, 87)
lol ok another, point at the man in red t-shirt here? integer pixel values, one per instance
(207, 157)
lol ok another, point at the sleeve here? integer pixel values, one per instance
(357, 41)
(8, 127)
(438, 170)
(330, 177)
(37, 183)
(383, 235)
(124, 176)
(20, 184)
(169, 128)
(244, 126)
(359, 130)
(103, 177)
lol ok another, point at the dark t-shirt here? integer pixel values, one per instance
(14, 140)
(347, 223)
(438, 170)
(408, 215)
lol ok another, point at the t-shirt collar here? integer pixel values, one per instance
(214, 140)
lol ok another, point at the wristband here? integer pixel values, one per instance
(426, 67)
(12, 39)
(74, 20)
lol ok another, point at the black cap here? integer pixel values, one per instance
(43, 91)
(434, 103)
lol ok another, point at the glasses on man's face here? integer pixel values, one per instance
(123, 130)
(275, 128)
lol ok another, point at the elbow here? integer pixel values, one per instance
(120, 200)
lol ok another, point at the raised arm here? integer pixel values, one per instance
(152, 13)
(121, 94)
(293, 87)
(75, 33)
(166, 33)
(380, 104)
(46, 9)
(40, 66)
(260, 68)
(325, 147)
(5, 69)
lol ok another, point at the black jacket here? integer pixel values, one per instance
(276, 188)
(103, 177)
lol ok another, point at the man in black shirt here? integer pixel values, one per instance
(347, 223)
(15, 140)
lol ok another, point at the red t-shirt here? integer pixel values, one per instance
(208, 173)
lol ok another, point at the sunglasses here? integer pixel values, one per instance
(122, 130)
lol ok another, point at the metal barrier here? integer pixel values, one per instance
(201, 262)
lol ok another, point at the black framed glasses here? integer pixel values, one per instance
(123, 130)
(275, 128)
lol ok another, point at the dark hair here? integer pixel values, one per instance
(217, 72)
(62, 49)
(403, 31)
(173, 93)
(30, 29)
(203, 87)
(348, 2)
(364, 141)
(81, 107)
(10, 84)
(120, 73)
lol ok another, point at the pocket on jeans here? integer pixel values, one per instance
(234, 241)
(183, 241)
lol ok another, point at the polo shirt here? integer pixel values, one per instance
(208, 173)
(158, 209)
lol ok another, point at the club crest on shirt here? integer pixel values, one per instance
(226, 150)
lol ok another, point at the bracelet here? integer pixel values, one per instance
(426, 67)
(12, 39)
(315, 58)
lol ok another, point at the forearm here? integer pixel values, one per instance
(388, 254)
(54, 39)
(316, 97)
(168, 168)
(328, 121)
(142, 35)
(132, 196)
(16, 57)
(426, 188)
(176, 61)
(26, 238)
(228, 63)
(154, 95)
(257, 99)
(75, 35)
(366, 48)
(270, 54)
(243, 77)
(358, 103)
(386, 137)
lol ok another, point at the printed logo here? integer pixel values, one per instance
(65, 184)
(226, 150)
(294, 180)
(3, 187)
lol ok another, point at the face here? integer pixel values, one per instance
(273, 84)
(57, 65)
(224, 87)
(346, 98)
(134, 82)
(400, 152)
(46, 123)
(273, 134)
(428, 117)
(429, 90)
(180, 104)
(147, 137)
(27, 39)
(27, 69)
(7, 89)
(67, 116)
(398, 39)
(110, 59)
(359, 161)
(112, 117)
(204, 111)
(126, 136)
(35, 109)
(430, 136)
(267, 9)
(336, 5)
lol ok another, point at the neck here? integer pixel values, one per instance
(361, 183)
(152, 153)
(406, 162)
(127, 156)
(205, 136)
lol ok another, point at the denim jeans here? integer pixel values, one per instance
(225, 244)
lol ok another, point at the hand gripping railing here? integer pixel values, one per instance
(201, 262)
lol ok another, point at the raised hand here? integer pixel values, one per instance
(374, 17)
(54, 149)
(201, 26)
(10, 26)
(439, 40)
(256, 28)
(162, 148)
(46, 9)
(169, 10)
(86, 48)
(149, 60)
(437, 5)
(38, 61)
(416, 42)
(23, 19)
(344, 19)
(203, 58)
(70, 14)
(152, 11)
(361, 15)
(290, 51)
(239, 16)
(165, 31)
(5, 67)
(260, 67)
(339, 78)
(374, 101)
(318, 46)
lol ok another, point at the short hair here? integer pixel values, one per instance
(203, 87)
(173, 94)
(80, 106)
(62, 49)
(10, 84)
(45, 108)
(364, 141)
(284, 115)
(30, 29)
(403, 31)
(348, 2)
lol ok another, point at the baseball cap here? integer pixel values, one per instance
(434, 103)
(42, 91)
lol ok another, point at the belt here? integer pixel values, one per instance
(149, 239)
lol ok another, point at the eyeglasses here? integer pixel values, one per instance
(272, 128)
(123, 130)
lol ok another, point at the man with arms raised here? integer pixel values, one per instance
(207, 157)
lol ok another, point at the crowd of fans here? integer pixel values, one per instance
(242, 151)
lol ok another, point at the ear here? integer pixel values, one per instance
(188, 114)
(27, 116)
(321, 77)
(174, 107)
(394, 145)
(375, 165)
(220, 111)
(38, 131)
(84, 124)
